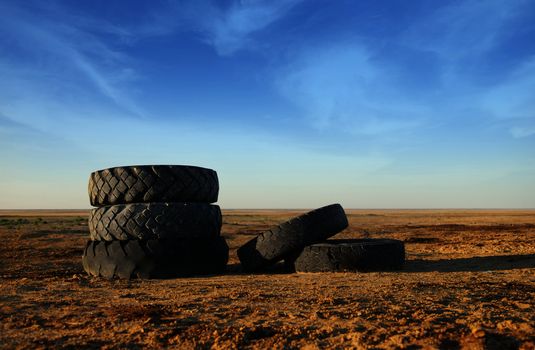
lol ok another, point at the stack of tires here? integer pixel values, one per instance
(154, 221)
(303, 244)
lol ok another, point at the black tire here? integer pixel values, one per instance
(291, 237)
(154, 221)
(352, 255)
(155, 258)
(153, 183)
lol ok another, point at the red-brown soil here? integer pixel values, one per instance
(469, 282)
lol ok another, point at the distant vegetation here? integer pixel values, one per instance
(14, 222)
(40, 222)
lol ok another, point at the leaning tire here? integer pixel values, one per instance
(154, 258)
(292, 236)
(153, 183)
(154, 221)
(352, 255)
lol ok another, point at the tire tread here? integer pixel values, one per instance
(152, 183)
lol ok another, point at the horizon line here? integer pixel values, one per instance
(301, 208)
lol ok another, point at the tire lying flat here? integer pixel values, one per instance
(155, 258)
(352, 255)
(153, 183)
(154, 220)
(291, 237)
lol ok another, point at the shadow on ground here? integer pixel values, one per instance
(474, 264)
(478, 263)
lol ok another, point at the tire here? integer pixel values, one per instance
(352, 255)
(154, 221)
(154, 258)
(152, 183)
(291, 237)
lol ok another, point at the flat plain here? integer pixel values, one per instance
(469, 282)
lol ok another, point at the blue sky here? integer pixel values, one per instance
(296, 104)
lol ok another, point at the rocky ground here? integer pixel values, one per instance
(469, 282)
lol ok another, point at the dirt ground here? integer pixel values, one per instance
(469, 282)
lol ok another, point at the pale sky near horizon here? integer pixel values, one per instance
(296, 104)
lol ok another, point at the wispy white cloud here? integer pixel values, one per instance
(513, 98)
(70, 50)
(227, 29)
(10, 124)
(464, 35)
(230, 30)
(354, 86)
(461, 29)
(520, 132)
(340, 87)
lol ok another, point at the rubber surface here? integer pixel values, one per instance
(154, 221)
(291, 236)
(153, 183)
(352, 255)
(155, 258)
